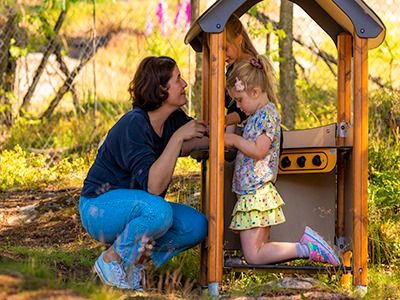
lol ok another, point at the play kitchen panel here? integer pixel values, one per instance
(309, 150)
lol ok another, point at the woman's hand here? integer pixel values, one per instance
(192, 129)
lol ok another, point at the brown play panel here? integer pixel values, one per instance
(323, 172)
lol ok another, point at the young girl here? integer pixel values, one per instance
(259, 205)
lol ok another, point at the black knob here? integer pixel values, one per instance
(317, 160)
(301, 161)
(285, 162)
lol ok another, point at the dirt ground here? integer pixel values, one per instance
(38, 219)
(50, 218)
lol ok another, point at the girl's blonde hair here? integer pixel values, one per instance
(234, 28)
(258, 72)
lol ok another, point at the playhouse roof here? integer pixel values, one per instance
(333, 16)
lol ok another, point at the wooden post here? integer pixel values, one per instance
(204, 182)
(216, 84)
(344, 80)
(360, 163)
(343, 118)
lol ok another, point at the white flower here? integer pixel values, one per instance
(239, 86)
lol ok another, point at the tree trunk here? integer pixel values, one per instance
(287, 73)
(196, 90)
(7, 70)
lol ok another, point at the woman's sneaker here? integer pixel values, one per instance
(111, 273)
(320, 251)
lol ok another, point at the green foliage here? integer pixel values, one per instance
(187, 165)
(248, 283)
(384, 173)
(45, 267)
(384, 200)
(61, 133)
(37, 23)
(188, 262)
(158, 45)
(384, 148)
(384, 178)
(68, 142)
(16, 51)
(383, 283)
(21, 169)
(316, 105)
(384, 60)
(384, 114)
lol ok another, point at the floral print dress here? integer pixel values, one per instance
(259, 203)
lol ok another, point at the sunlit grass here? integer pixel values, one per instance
(39, 268)
(384, 282)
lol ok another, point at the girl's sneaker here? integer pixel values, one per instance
(111, 273)
(320, 251)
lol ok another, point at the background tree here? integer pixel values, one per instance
(196, 91)
(287, 73)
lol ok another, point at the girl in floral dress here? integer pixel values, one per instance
(259, 205)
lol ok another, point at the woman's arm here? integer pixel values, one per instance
(192, 144)
(161, 171)
(256, 150)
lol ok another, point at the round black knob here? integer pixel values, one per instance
(317, 160)
(301, 161)
(285, 162)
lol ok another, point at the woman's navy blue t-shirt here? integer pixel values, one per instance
(129, 150)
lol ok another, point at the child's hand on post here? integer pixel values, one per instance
(229, 139)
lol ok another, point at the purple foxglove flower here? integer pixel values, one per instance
(188, 12)
(160, 12)
(149, 26)
(178, 14)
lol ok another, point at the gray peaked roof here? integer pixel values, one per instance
(333, 16)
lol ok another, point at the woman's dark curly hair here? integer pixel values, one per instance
(149, 87)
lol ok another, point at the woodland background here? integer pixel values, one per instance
(64, 71)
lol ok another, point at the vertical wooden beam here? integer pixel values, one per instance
(216, 83)
(360, 163)
(206, 65)
(344, 80)
(204, 182)
(343, 117)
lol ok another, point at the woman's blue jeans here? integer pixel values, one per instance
(122, 217)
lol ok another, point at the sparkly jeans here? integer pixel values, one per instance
(122, 217)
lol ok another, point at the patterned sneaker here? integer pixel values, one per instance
(111, 273)
(135, 277)
(320, 251)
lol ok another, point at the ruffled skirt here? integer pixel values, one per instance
(262, 209)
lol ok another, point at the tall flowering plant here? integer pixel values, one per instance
(181, 21)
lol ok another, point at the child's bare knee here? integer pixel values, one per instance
(251, 257)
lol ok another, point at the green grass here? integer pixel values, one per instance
(21, 169)
(384, 282)
(50, 267)
(61, 268)
(70, 268)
